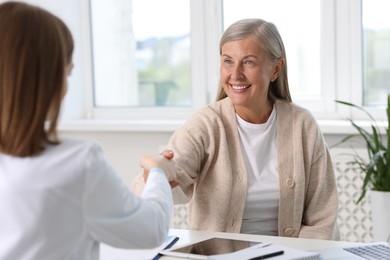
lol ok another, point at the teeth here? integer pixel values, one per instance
(239, 87)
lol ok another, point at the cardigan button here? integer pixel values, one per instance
(288, 231)
(290, 183)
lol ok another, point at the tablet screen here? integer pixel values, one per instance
(214, 246)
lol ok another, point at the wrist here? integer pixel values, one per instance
(156, 170)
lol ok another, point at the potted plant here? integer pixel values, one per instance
(376, 170)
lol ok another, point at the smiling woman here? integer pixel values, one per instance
(255, 149)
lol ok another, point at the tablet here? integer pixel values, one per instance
(209, 247)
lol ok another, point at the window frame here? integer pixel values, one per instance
(199, 93)
(341, 23)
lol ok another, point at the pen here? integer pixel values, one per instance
(281, 252)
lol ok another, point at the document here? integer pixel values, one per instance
(271, 252)
(112, 253)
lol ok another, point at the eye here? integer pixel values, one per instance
(249, 62)
(228, 61)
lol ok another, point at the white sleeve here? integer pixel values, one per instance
(119, 218)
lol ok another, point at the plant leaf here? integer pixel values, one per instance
(376, 169)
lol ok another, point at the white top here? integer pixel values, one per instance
(58, 205)
(258, 142)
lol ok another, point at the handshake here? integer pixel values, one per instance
(162, 161)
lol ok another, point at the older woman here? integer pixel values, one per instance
(254, 162)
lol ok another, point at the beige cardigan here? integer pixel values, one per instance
(213, 177)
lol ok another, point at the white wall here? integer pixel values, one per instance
(123, 149)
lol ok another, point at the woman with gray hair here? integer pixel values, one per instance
(254, 162)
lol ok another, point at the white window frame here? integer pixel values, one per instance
(199, 74)
(349, 62)
(341, 65)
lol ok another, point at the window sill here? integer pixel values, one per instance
(328, 127)
(98, 125)
(344, 127)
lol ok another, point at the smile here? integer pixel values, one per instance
(240, 87)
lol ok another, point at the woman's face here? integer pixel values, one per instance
(246, 73)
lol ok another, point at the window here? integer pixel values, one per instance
(153, 57)
(141, 54)
(376, 51)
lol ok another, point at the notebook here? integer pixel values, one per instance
(372, 251)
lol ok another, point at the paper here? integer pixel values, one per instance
(288, 253)
(111, 253)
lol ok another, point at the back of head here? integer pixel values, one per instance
(33, 57)
(267, 36)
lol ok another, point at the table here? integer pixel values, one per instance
(189, 236)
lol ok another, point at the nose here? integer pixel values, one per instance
(237, 72)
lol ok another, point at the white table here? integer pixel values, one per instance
(189, 236)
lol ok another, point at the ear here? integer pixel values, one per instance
(278, 66)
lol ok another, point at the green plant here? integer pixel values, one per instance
(377, 167)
